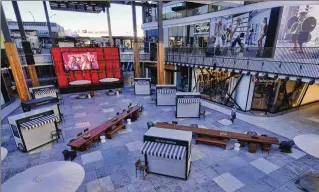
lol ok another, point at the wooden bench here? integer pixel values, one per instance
(81, 143)
(111, 132)
(218, 136)
(211, 141)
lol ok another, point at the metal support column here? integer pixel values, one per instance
(136, 45)
(14, 60)
(109, 26)
(48, 23)
(28, 53)
(160, 45)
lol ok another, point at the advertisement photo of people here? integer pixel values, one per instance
(298, 32)
(243, 33)
(80, 61)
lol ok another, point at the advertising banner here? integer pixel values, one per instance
(244, 32)
(298, 33)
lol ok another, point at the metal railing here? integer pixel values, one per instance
(310, 54)
(300, 64)
(129, 57)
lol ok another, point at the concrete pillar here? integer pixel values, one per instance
(14, 60)
(109, 26)
(26, 47)
(160, 46)
(245, 92)
(137, 66)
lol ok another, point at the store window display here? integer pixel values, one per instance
(214, 85)
(264, 93)
(177, 36)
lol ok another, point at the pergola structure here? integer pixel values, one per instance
(103, 6)
(76, 6)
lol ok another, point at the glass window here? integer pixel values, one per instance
(182, 79)
(164, 12)
(289, 95)
(264, 93)
(214, 85)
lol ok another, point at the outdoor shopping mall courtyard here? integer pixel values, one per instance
(110, 166)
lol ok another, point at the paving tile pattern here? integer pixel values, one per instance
(110, 166)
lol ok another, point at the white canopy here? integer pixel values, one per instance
(56, 176)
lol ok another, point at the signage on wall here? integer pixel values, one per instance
(202, 27)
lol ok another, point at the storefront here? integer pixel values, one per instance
(252, 92)
(196, 35)
(214, 85)
(201, 34)
(150, 71)
(177, 36)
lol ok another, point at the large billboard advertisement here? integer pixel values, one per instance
(298, 32)
(80, 61)
(244, 32)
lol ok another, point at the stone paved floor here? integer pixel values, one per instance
(290, 125)
(110, 166)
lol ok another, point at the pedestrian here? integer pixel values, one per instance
(233, 114)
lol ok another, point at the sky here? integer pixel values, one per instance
(121, 17)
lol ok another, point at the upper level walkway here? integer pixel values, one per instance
(284, 63)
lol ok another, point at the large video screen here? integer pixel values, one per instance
(80, 61)
(298, 32)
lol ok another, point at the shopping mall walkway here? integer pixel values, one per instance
(303, 121)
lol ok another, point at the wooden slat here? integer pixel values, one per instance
(17, 72)
(217, 133)
(137, 67)
(33, 75)
(160, 63)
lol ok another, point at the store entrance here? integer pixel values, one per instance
(152, 73)
(200, 40)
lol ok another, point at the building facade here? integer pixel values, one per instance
(255, 56)
(37, 34)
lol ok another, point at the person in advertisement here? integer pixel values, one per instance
(219, 33)
(263, 33)
(296, 30)
(237, 40)
(250, 36)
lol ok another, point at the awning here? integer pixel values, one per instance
(46, 91)
(188, 100)
(142, 82)
(39, 122)
(166, 91)
(163, 150)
